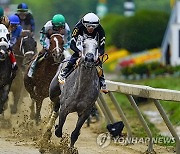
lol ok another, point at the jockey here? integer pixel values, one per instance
(4, 19)
(15, 32)
(26, 18)
(88, 26)
(5, 40)
(57, 24)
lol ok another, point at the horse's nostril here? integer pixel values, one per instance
(86, 59)
(89, 57)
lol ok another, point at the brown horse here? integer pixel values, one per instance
(38, 86)
(24, 50)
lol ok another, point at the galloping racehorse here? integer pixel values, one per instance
(80, 90)
(5, 68)
(38, 86)
(24, 50)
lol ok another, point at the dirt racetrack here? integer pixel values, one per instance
(20, 135)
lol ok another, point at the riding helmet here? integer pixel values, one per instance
(14, 19)
(90, 19)
(58, 20)
(22, 7)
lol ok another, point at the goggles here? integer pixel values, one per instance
(22, 12)
(58, 27)
(90, 25)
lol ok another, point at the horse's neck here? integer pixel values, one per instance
(86, 77)
(49, 61)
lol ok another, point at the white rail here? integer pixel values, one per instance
(130, 90)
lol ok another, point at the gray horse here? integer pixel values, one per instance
(79, 92)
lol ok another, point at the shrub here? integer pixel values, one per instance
(142, 31)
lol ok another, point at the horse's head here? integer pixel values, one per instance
(28, 45)
(56, 46)
(3, 50)
(90, 52)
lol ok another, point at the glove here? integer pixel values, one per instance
(45, 47)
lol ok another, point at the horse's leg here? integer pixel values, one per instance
(54, 92)
(47, 134)
(17, 95)
(62, 117)
(38, 110)
(81, 119)
(54, 114)
(29, 86)
(32, 113)
(17, 90)
(4, 97)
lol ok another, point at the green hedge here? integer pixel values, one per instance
(142, 31)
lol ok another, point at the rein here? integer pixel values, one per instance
(103, 56)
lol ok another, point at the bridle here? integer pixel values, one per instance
(21, 48)
(57, 51)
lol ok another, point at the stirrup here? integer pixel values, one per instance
(104, 89)
(61, 79)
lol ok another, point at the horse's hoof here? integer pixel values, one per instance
(58, 133)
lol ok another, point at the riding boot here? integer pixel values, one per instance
(103, 84)
(65, 72)
(43, 54)
(32, 67)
